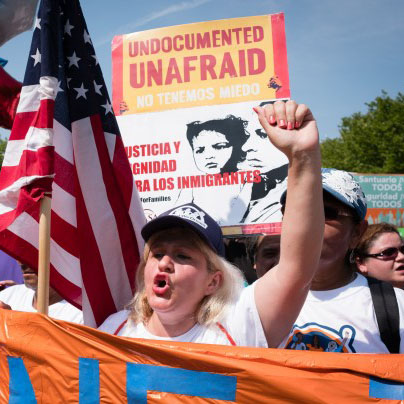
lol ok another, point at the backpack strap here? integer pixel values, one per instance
(387, 314)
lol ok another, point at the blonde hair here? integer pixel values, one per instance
(211, 306)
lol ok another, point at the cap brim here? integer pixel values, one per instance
(329, 191)
(169, 222)
(337, 196)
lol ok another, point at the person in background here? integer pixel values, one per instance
(339, 307)
(238, 252)
(187, 292)
(24, 298)
(266, 254)
(380, 254)
(10, 271)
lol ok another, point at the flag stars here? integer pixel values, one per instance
(108, 108)
(74, 60)
(87, 38)
(97, 87)
(38, 23)
(36, 57)
(81, 92)
(95, 58)
(59, 89)
(68, 28)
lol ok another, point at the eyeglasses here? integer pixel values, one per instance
(330, 212)
(388, 254)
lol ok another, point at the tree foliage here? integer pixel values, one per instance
(370, 142)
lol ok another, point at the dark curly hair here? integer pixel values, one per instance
(234, 128)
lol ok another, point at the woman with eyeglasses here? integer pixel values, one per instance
(380, 254)
(339, 307)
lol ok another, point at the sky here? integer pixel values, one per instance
(341, 54)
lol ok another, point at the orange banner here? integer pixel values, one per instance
(50, 361)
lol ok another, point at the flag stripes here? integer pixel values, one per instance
(65, 142)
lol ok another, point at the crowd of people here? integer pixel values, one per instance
(328, 282)
(341, 313)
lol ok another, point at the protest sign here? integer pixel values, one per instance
(183, 97)
(385, 197)
(48, 361)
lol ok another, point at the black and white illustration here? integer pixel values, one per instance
(217, 157)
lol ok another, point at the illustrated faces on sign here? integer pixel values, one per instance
(216, 143)
(260, 154)
(211, 151)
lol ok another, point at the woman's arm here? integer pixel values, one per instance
(281, 292)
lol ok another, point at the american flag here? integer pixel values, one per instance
(65, 141)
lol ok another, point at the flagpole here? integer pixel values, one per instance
(44, 255)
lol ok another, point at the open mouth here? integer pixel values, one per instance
(161, 284)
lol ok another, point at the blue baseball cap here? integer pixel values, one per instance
(343, 187)
(190, 216)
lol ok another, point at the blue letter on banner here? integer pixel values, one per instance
(141, 378)
(21, 390)
(89, 381)
(387, 389)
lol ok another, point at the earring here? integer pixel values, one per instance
(352, 256)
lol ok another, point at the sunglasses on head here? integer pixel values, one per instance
(388, 254)
(330, 213)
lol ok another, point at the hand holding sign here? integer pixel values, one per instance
(291, 127)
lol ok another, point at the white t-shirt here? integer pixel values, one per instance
(301, 346)
(343, 319)
(20, 298)
(241, 321)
